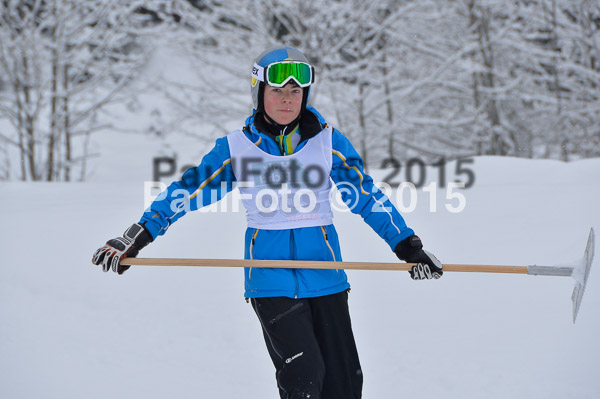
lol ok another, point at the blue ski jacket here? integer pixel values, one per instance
(214, 178)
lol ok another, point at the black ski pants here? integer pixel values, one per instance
(312, 346)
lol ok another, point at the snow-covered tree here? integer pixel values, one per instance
(63, 61)
(402, 78)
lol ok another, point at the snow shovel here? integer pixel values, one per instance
(579, 270)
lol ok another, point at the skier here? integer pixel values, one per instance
(287, 150)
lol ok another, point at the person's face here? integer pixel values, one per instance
(283, 104)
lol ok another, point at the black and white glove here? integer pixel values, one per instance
(110, 255)
(427, 265)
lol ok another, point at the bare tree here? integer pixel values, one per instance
(64, 60)
(431, 77)
(400, 77)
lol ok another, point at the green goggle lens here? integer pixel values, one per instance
(280, 73)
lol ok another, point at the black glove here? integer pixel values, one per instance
(411, 250)
(110, 255)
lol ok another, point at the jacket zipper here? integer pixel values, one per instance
(252, 252)
(294, 271)
(328, 245)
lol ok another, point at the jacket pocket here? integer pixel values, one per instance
(324, 231)
(252, 251)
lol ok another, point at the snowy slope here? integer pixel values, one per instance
(68, 330)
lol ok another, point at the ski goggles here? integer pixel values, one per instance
(280, 73)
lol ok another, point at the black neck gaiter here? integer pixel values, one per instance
(267, 125)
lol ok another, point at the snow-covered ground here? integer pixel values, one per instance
(67, 330)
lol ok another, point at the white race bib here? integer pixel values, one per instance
(284, 191)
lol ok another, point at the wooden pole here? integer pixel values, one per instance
(304, 264)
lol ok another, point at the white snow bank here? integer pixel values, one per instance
(70, 331)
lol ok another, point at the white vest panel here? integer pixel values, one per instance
(284, 191)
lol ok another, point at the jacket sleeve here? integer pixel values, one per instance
(199, 186)
(362, 196)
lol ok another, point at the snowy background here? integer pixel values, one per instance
(402, 78)
(70, 331)
(67, 330)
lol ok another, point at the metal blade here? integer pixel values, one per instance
(581, 273)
